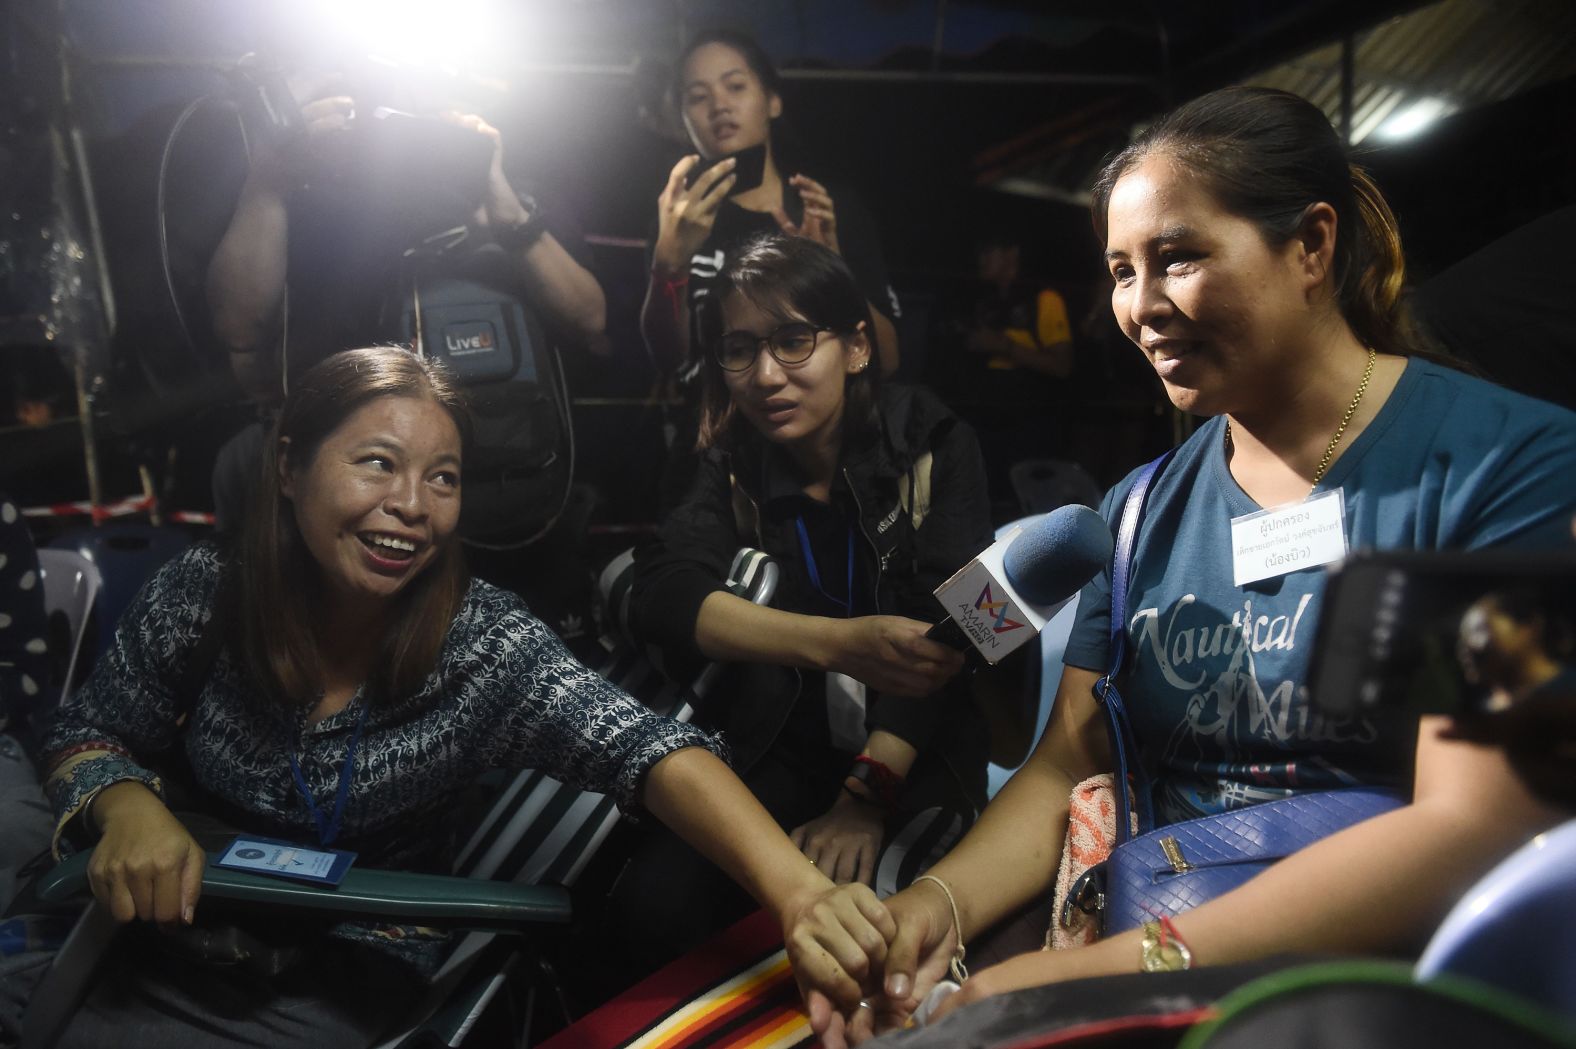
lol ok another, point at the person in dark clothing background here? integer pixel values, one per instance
(1003, 351)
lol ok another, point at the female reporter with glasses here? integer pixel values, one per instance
(845, 720)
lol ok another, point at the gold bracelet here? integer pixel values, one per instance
(959, 971)
(1162, 949)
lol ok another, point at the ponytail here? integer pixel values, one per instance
(1371, 292)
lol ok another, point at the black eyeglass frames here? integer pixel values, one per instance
(790, 343)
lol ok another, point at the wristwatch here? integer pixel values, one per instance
(522, 235)
(1163, 953)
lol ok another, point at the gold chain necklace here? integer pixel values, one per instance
(1340, 431)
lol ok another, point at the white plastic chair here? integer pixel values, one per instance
(71, 585)
(1513, 929)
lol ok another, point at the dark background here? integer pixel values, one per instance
(949, 119)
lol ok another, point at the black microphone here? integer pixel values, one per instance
(1003, 598)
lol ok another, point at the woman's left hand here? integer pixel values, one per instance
(837, 941)
(819, 222)
(843, 842)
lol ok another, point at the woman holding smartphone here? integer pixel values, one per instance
(730, 97)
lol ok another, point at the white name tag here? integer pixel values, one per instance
(1270, 543)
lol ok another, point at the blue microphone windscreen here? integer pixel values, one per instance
(1055, 555)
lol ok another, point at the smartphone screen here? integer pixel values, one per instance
(749, 169)
(1443, 632)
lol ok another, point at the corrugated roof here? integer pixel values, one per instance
(1451, 56)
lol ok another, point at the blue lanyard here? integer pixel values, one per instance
(847, 604)
(328, 829)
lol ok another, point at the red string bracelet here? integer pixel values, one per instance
(882, 781)
(670, 288)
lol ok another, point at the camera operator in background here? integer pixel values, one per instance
(319, 253)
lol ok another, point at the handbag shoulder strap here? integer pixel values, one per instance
(1124, 748)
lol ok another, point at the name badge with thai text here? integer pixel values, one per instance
(286, 859)
(1271, 543)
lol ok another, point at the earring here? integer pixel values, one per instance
(862, 366)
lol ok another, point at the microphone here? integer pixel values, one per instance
(1005, 596)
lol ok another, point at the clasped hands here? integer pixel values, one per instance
(865, 965)
(907, 952)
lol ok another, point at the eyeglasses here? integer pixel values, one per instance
(790, 343)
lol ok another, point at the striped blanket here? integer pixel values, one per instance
(733, 992)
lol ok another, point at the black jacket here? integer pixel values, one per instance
(745, 499)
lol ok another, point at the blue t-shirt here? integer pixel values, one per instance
(1216, 681)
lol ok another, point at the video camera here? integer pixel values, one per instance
(1486, 637)
(394, 159)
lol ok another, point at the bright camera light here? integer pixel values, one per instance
(1413, 119)
(417, 32)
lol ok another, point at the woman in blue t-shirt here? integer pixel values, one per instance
(1259, 273)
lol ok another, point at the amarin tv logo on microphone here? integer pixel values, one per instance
(991, 607)
(1051, 557)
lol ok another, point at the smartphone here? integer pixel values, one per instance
(1443, 632)
(748, 171)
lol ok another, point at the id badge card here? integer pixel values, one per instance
(286, 859)
(1271, 543)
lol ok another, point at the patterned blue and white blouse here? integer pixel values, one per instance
(505, 693)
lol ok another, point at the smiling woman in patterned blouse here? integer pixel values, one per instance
(341, 681)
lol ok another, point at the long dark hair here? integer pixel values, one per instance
(277, 577)
(1267, 156)
(783, 275)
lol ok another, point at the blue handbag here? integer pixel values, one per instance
(1170, 869)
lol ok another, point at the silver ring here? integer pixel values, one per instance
(865, 1005)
